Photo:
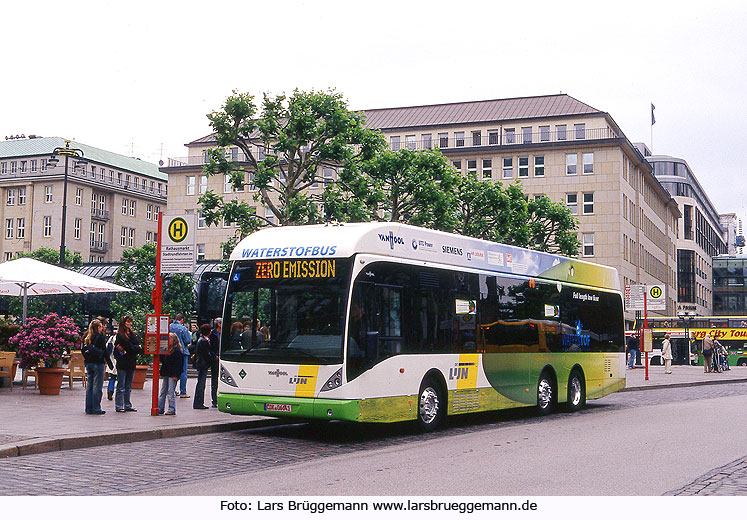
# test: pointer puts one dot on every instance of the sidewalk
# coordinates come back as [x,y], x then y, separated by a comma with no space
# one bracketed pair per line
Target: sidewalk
[32,423]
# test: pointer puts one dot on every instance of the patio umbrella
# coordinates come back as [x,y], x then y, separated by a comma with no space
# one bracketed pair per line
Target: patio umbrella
[28,277]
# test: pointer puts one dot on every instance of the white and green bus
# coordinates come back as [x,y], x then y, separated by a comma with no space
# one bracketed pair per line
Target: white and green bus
[381,322]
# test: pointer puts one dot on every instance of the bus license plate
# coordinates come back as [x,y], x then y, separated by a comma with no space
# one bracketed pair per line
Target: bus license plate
[274,407]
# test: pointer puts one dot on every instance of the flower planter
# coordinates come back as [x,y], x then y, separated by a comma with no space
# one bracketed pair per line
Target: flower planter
[138,381]
[50,380]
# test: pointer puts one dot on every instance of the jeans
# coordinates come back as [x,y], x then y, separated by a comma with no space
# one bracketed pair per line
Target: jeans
[183,379]
[631,361]
[112,380]
[168,389]
[200,388]
[95,376]
[124,388]
[214,381]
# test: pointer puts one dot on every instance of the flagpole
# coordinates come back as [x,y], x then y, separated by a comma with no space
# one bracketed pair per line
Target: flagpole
[653,121]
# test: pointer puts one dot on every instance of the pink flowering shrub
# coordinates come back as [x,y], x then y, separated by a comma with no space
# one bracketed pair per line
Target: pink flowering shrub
[42,342]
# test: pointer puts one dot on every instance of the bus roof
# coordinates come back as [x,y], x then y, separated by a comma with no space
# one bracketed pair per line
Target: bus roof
[414,243]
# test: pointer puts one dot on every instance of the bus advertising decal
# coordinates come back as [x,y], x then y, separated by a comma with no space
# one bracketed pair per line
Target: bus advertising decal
[579,341]
[475,254]
[495,258]
[391,239]
[422,245]
[283,252]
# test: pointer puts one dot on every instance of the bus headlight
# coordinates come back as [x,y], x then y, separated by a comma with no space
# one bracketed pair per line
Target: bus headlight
[226,377]
[333,382]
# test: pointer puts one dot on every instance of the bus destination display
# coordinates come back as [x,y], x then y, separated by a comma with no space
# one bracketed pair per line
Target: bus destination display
[292,269]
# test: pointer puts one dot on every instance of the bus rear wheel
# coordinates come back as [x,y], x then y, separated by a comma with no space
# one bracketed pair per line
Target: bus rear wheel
[545,394]
[576,392]
[431,405]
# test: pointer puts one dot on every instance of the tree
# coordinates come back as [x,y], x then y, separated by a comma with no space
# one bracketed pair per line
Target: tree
[138,272]
[503,214]
[286,143]
[39,306]
[408,186]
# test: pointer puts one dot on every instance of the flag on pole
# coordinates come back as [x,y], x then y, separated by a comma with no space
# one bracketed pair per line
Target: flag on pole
[653,119]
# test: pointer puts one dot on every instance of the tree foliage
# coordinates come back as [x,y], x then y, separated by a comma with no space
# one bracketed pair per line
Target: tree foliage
[138,272]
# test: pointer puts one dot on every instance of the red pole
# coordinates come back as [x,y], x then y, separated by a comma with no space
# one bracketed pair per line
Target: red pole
[157,305]
[645,321]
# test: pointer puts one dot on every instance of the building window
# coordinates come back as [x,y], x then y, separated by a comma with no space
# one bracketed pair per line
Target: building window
[143,184]
[443,140]
[487,168]
[588,159]
[47,194]
[92,240]
[200,251]
[190,184]
[148,236]
[571,202]
[426,139]
[544,133]
[410,142]
[458,138]
[13,166]
[123,237]
[588,244]
[94,199]
[33,165]
[93,171]
[4,168]
[457,165]
[10,200]
[560,131]
[47,226]
[394,142]
[476,138]
[269,215]
[127,181]
[119,177]
[580,130]
[78,196]
[132,208]
[8,256]
[102,203]
[132,237]
[101,234]
[76,229]
[510,135]
[523,166]
[43,165]
[526,134]
[203,184]
[9,228]
[201,222]
[329,175]
[539,166]
[23,166]
[149,212]
[492,136]
[508,167]
[571,160]
[21,231]
[124,207]
[588,203]
[156,211]
[159,187]
[227,184]
[152,186]
[472,167]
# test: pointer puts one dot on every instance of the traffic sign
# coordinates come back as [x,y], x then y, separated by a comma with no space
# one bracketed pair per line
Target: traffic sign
[634,295]
[656,299]
[178,244]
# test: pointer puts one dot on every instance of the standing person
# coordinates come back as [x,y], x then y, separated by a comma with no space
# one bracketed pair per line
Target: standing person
[172,365]
[666,353]
[94,354]
[633,346]
[203,360]
[185,340]
[126,349]
[195,330]
[708,352]
[111,366]
[214,365]
[237,328]
[717,349]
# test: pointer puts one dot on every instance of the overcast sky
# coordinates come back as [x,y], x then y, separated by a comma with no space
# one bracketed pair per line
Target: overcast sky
[138,77]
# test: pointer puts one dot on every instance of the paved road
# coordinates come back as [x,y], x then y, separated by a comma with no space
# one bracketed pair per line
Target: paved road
[631,443]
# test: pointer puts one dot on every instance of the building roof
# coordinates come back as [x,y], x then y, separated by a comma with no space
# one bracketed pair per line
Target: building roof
[494,110]
[45,145]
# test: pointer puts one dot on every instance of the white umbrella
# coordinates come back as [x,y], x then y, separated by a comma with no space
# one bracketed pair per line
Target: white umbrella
[28,277]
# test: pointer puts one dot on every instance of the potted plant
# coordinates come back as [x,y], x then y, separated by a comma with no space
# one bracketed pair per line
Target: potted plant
[142,364]
[41,343]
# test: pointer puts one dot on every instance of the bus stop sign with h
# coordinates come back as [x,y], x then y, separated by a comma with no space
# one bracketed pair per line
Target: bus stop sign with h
[643,297]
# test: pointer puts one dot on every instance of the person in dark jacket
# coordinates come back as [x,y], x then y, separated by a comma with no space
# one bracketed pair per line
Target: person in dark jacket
[126,349]
[94,355]
[172,365]
[203,361]
[214,365]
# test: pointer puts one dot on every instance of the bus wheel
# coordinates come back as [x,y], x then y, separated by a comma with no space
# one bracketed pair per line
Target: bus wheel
[430,405]
[576,392]
[742,362]
[545,394]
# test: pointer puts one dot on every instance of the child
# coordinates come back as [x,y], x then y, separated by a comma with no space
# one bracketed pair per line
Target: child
[172,365]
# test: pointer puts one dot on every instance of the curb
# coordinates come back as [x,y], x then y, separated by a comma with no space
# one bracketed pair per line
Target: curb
[71,442]
[684,385]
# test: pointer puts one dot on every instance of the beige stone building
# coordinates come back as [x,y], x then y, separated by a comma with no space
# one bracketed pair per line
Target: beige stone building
[112,201]
[554,145]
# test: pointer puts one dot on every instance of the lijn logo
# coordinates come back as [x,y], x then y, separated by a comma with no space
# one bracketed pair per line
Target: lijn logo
[178,230]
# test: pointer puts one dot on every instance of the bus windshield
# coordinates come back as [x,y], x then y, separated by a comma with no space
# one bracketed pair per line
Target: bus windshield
[286,311]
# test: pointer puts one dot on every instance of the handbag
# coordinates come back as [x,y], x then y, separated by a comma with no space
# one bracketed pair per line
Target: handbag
[708,352]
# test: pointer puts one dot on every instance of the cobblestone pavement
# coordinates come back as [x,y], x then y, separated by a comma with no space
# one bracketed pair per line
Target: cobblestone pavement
[129,468]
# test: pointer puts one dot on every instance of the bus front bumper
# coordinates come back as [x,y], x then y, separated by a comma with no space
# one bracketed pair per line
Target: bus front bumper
[291,407]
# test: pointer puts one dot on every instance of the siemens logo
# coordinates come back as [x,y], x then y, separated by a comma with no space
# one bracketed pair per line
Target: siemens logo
[450,250]
[392,239]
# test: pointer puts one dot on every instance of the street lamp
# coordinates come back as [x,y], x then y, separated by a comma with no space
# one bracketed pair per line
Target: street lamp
[76,154]
[687,318]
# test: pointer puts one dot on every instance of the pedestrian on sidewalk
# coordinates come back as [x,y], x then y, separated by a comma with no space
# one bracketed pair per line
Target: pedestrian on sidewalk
[126,349]
[111,366]
[172,365]
[708,353]
[203,360]
[666,353]
[94,355]
[185,340]
[633,346]
[214,350]
[717,355]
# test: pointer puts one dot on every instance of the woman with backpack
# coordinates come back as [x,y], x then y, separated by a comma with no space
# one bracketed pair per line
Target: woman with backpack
[126,349]
[172,365]
[94,355]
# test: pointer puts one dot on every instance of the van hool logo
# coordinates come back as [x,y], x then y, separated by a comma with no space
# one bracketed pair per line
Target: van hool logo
[451,250]
[577,339]
[392,239]
[460,371]
[277,372]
